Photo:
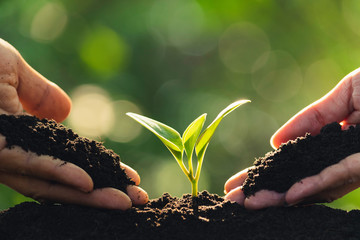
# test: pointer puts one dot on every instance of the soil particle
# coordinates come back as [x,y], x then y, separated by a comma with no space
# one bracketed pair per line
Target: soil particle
[46,137]
[207,216]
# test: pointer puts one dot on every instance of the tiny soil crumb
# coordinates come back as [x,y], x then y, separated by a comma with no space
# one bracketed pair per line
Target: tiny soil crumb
[207,216]
[46,137]
[306,156]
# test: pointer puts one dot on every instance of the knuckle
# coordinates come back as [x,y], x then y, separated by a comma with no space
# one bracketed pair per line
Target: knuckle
[9,100]
[351,168]
[318,117]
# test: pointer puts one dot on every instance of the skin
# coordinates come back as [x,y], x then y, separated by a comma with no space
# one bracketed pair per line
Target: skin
[342,104]
[44,178]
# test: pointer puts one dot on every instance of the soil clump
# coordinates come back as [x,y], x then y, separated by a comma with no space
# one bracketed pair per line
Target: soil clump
[306,156]
[46,137]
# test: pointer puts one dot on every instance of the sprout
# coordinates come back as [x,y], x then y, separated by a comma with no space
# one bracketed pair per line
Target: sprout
[190,139]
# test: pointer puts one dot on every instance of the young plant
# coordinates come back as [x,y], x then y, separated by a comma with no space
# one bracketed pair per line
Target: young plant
[190,139]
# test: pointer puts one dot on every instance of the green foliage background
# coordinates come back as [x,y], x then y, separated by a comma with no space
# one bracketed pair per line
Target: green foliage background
[177,59]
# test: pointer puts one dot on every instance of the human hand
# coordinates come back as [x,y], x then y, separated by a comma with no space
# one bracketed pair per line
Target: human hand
[43,177]
[342,104]
[22,88]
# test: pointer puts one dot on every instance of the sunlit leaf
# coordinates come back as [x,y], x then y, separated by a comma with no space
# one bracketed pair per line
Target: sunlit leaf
[169,136]
[205,137]
[192,133]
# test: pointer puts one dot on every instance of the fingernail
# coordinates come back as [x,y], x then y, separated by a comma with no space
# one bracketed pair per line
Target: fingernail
[235,195]
[137,195]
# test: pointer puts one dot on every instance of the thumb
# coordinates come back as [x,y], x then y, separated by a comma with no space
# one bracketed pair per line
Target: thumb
[39,96]
[335,106]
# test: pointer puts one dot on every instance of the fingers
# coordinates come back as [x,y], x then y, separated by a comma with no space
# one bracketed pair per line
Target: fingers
[131,173]
[21,83]
[39,96]
[328,195]
[233,189]
[27,165]
[16,160]
[9,100]
[331,183]
[335,106]
[236,195]
[261,199]
[235,181]
[354,117]
[108,198]
[69,178]
[264,199]
[137,195]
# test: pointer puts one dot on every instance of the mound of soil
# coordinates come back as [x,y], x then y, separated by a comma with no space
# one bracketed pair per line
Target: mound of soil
[205,217]
[46,137]
[306,156]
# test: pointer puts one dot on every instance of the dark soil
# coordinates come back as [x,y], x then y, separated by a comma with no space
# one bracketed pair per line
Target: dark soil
[46,137]
[206,217]
[306,156]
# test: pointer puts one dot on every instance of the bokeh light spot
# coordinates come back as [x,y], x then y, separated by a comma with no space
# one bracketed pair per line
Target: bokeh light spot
[247,125]
[92,112]
[350,10]
[125,129]
[49,22]
[159,15]
[279,77]
[104,51]
[241,45]
[184,26]
[320,78]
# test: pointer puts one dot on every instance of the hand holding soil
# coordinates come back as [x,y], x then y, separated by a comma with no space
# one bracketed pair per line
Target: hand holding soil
[342,104]
[45,177]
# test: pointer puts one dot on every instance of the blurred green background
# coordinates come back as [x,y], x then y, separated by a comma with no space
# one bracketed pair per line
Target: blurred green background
[173,60]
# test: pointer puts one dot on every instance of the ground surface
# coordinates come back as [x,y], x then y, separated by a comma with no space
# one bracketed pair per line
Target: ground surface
[207,217]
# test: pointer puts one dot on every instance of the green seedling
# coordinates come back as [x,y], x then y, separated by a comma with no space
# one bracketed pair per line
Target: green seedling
[190,139]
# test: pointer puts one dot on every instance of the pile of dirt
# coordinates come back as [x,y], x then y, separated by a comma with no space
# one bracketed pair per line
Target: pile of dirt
[46,137]
[306,156]
[205,217]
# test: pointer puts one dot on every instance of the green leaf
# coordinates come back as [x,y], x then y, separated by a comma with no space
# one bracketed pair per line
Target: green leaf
[192,133]
[169,136]
[205,137]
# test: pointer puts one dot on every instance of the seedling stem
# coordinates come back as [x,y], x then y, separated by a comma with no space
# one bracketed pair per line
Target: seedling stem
[191,140]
